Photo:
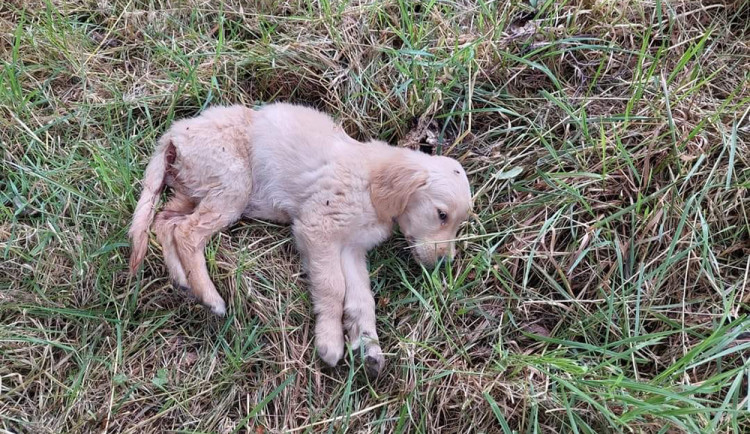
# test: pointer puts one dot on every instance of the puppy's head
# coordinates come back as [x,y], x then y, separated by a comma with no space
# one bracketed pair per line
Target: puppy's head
[429,197]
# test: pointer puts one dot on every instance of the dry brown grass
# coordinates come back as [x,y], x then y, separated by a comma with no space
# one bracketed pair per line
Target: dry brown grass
[602,286]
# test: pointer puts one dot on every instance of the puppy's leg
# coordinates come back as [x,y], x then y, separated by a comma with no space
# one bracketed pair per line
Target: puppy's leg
[359,310]
[191,234]
[327,286]
[164,223]
[328,290]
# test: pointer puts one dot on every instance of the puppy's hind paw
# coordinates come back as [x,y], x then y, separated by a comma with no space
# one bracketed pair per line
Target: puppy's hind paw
[216,305]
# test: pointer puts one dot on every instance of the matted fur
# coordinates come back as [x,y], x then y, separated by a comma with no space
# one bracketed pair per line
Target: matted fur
[292,164]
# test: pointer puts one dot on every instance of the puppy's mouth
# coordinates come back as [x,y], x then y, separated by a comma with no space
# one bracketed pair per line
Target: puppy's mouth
[413,248]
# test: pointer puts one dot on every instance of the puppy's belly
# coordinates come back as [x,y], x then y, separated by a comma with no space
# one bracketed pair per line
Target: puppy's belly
[265,211]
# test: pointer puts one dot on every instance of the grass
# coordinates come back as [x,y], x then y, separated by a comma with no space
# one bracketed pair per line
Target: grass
[602,285]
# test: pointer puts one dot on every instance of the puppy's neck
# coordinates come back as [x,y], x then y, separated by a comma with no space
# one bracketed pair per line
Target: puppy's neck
[381,154]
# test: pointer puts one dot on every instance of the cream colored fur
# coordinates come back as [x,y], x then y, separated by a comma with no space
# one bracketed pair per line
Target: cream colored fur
[292,164]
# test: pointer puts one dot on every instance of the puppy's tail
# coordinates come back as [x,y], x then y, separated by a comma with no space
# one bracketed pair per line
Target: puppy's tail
[153,183]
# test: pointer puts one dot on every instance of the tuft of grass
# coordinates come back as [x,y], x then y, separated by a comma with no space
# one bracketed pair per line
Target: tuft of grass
[602,284]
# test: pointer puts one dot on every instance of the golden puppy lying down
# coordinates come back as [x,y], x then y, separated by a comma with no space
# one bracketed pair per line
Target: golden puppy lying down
[292,164]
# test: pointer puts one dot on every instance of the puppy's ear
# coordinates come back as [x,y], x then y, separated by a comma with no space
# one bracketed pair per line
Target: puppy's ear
[391,187]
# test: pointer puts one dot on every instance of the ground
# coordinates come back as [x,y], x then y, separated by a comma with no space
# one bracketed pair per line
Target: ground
[602,284]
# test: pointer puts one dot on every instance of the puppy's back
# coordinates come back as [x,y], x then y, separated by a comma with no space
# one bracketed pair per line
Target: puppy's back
[298,137]
[297,120]
[297,152]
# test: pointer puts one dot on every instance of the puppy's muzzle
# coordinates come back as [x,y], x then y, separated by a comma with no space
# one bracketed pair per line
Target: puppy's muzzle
[430,253]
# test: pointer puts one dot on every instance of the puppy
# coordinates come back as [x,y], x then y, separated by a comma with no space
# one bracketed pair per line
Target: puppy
[292,164]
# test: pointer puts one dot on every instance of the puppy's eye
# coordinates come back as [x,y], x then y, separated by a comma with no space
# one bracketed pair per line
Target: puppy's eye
[442,215]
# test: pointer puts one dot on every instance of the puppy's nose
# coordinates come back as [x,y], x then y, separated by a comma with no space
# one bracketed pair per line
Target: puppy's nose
[445,253]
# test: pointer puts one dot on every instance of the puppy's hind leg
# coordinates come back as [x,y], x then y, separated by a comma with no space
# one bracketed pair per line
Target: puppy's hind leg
[191,234]
[164,224]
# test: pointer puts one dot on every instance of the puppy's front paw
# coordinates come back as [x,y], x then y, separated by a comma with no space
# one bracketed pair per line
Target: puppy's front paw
[374,361]
[183,288]
[330,351]
[329,339]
